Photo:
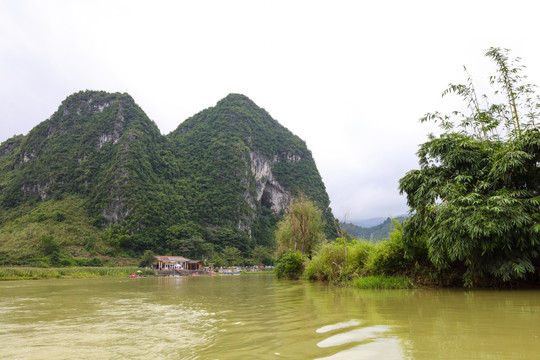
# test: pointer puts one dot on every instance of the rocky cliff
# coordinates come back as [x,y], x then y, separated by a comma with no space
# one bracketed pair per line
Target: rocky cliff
[224,176]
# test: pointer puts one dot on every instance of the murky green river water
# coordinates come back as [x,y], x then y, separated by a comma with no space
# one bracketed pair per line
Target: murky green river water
[258,317]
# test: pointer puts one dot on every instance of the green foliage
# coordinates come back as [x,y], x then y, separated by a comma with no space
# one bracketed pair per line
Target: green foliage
[476,196]
[339,261]
[23,227]
[117,236]
[389,256]
[493,121]
[262,255]
[89,243]
[55,258]
[103,177]
[383,282]
[147,259]
[232,256]
[373,233]
[89,262]
[59,216]
[343,261]
[48,245]
[214,149]
[265,226]
[290,265]
[20,273]
[184,239]
[302,229]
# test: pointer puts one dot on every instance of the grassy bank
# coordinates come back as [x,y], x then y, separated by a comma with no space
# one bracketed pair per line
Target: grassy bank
[31,273]
[383,282]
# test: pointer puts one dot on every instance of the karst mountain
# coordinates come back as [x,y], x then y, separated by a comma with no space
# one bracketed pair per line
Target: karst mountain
[98,176]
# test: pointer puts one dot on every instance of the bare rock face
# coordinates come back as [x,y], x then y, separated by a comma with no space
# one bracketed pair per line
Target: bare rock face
[116,211]
[269,191]
[225,174]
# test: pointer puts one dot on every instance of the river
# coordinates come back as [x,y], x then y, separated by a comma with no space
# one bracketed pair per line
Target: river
[259,317]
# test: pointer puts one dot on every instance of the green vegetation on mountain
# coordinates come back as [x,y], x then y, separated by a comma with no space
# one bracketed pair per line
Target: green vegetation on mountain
[98,175]
[373,233]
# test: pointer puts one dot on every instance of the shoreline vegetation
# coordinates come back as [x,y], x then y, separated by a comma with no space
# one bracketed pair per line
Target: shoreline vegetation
[474,201]
[360,264]
[35,273]
[474,214]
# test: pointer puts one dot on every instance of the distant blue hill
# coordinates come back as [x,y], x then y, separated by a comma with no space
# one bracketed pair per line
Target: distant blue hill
[366,223]
[377,232]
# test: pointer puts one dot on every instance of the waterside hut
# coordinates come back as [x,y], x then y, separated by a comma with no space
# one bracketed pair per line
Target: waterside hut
[176,263]
[195,265]
[170,263]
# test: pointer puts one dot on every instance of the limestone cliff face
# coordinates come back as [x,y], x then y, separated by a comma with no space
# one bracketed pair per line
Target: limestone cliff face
[250,159]
[88,146]
[224,175]
[269,191]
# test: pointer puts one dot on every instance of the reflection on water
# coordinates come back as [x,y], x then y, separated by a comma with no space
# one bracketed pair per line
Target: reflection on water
[258,317]
[337,326]
[376,345]
[385,348]
[358,335]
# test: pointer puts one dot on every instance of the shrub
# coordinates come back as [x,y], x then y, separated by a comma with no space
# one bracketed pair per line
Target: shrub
[59,216]
[383,282]
[147,259]
[89,243]
[389,256]
[55,258]
[290,265]
[93,262]
[339,261]
[358,255]
[326,264]
[48,245]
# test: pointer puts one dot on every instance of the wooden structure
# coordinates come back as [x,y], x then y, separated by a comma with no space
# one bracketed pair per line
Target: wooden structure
[176,263]
[170,263]
[195,265]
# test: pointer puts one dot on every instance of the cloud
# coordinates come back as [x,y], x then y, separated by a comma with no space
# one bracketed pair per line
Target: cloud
[351,78]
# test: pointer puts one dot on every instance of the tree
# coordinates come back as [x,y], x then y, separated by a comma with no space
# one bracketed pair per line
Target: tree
[232,256]
[261,255]
[147,259]
[49,245]
[475,199]
[290,265]
[302,228]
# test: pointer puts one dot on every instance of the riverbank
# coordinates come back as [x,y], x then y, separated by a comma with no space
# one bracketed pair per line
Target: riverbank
[257,272]
[383,282]
[34,273]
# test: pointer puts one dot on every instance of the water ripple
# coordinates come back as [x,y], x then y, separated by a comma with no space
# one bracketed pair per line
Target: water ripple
[337,326]
[385,348]
[357,335]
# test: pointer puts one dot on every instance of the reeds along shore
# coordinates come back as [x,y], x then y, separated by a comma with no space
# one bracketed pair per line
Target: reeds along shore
[27,273]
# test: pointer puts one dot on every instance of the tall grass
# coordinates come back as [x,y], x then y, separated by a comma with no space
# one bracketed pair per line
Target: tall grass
[28,273]
[383,282]
[339,261]
[363,263]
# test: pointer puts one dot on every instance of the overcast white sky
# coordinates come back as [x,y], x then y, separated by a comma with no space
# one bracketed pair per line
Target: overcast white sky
[351,78]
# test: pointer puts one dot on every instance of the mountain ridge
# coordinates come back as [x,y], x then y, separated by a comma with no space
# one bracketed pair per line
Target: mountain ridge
[224,175]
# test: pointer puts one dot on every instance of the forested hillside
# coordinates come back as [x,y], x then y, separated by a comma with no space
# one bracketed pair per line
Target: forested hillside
[377,232]
[98,177]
